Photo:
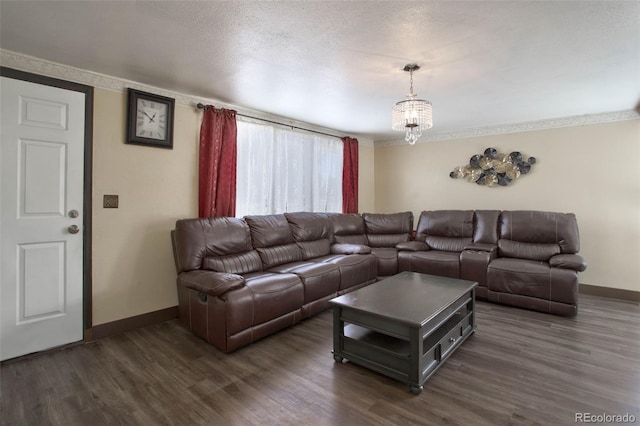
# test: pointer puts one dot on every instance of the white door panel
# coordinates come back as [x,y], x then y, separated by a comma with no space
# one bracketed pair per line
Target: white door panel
[40,281]
[42,113]
[41,169]
[41,162]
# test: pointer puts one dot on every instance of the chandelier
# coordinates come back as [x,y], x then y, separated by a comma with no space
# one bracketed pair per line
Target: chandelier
[412,115]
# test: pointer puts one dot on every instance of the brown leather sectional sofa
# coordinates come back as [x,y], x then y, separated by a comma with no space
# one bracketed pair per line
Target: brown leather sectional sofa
[242,279]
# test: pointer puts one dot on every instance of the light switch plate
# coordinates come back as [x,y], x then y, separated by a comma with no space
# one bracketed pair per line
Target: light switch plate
[110,202]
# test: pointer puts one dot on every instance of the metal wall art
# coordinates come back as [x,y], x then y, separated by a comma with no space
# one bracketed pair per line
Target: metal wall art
[493,168]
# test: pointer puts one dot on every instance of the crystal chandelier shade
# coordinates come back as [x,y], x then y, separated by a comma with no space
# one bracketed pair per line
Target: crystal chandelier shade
[412,115]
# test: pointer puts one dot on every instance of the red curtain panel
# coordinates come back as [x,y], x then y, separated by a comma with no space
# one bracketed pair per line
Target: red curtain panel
[350,175]
[217,163]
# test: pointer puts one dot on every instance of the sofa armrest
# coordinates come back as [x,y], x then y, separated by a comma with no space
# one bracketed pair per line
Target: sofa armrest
[568,261]
[412,246]
[350,249]
[209,282]
[489,248]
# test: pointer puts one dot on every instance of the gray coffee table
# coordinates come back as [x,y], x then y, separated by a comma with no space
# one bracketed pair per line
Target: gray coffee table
[405,326]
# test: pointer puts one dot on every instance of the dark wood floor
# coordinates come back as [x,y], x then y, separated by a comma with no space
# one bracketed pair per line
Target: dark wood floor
[520,367]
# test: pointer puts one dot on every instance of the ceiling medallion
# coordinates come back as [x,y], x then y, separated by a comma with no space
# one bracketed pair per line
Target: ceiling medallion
[412,115]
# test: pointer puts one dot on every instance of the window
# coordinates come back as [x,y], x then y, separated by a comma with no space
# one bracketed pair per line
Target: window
[281,170]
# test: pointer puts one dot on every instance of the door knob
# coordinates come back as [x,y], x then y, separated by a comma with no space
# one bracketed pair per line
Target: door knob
[73,229]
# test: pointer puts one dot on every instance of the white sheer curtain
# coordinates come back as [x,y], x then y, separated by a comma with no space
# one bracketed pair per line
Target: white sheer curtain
[281,170]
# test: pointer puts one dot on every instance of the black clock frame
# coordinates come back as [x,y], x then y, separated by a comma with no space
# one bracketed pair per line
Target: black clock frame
[133,96]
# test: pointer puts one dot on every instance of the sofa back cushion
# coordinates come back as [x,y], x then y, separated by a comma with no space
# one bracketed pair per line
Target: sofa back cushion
[241,263]
[486,226]
[446,243]
[221,244]
[387,230]
[446,230]
[279,255]
[311,232]
[272,238]
[360,240]
[269,230]
[348,228]
[307,226]
[530,251]
[537,235]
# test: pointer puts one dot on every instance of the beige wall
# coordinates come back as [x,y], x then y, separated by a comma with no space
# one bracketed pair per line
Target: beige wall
[592,171]
[133,268]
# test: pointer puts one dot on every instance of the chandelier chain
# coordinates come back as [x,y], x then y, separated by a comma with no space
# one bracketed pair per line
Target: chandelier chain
[411,82]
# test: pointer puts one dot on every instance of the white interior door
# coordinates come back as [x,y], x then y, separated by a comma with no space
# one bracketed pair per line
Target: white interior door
[41,194]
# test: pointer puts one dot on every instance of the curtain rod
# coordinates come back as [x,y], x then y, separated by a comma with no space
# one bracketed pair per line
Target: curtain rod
[203,106]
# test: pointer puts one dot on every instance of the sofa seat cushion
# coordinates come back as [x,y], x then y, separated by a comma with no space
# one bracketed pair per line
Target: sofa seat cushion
[387,260]
[264,297]
[355,269]
[442,263]
[532,278]
[319,279]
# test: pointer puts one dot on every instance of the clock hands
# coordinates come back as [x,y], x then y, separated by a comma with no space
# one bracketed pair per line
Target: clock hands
[151,119]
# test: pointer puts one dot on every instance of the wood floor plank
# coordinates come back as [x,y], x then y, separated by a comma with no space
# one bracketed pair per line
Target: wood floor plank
[519,368]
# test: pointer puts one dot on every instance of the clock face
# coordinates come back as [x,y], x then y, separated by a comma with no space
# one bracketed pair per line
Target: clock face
[151,119]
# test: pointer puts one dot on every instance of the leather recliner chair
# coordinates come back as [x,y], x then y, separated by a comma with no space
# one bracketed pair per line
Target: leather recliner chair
[537,265]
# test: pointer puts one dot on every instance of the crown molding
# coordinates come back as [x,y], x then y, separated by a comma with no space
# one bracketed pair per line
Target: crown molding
[35,65]
[552,123]
[60,71]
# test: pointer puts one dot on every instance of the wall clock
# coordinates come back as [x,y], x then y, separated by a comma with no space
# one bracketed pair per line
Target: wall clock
[150,119]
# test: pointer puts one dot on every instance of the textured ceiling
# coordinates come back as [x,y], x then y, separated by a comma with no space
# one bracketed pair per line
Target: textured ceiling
[339,64]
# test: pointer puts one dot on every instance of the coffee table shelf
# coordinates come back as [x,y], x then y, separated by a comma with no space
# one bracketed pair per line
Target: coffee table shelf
[410,335]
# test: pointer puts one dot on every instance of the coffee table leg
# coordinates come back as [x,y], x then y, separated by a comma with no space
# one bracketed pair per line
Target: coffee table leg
[416,390]
[338,334]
